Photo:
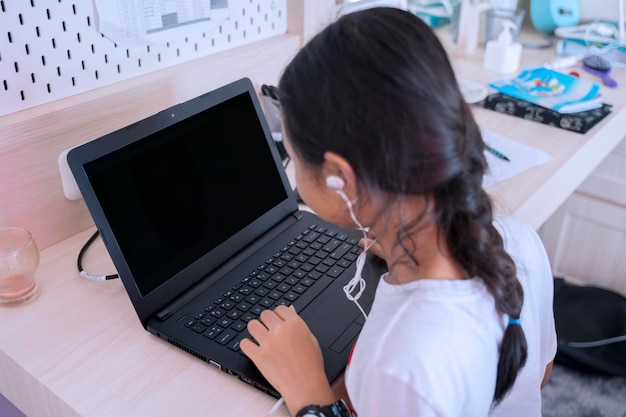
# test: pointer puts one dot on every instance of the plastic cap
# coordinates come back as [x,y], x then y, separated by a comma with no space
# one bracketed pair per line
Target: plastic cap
[506,36]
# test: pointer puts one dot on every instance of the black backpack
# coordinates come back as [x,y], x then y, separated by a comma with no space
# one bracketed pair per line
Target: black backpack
[590,327]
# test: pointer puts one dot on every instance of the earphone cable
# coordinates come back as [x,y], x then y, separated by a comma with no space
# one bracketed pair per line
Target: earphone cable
[79,262]
[357,280]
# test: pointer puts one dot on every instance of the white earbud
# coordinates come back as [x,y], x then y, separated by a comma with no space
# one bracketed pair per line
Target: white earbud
[334,183]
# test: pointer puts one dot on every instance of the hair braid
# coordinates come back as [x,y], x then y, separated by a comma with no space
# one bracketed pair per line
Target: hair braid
[465,212]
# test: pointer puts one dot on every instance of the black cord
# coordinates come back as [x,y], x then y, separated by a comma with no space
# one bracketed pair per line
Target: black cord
[79,262]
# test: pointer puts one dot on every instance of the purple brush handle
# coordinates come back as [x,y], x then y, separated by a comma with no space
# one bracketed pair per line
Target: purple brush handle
[606,79]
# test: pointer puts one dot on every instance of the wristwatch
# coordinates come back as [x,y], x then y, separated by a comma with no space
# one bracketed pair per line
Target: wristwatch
[336,409]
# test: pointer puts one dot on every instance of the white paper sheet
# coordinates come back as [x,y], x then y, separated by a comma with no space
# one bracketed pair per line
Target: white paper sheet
[521,157]
[157,21]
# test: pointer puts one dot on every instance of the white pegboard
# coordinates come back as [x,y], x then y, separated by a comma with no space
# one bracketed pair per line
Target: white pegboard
[51,49]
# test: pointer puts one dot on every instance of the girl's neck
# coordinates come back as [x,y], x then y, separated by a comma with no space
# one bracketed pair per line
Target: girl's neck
[429,248]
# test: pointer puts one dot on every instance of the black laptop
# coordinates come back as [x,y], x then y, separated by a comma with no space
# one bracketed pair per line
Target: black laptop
[201,222]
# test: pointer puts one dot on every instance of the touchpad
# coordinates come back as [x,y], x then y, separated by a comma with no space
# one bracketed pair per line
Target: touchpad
[343,314]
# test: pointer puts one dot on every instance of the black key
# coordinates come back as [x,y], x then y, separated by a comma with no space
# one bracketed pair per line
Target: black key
[236,298]
[235,314]
[341,251]
[329,261]
[314,275]
[291,281]
[224,322]
[299,289]
[261,292]
[255,282]
[212,332]
[299,274]
[238,326]
[253,299]
[227,305]
[275,295]
[266,302]
[234,343]
[290,296]
[270,284]
[282,302]
[332,245]
[248,316]
[208,321]
[198,328]
[335,271]
[226,336]
[244,306]
[307,281]
[258,310]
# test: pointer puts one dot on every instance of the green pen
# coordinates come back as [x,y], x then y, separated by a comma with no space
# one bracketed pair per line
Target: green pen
[498,154]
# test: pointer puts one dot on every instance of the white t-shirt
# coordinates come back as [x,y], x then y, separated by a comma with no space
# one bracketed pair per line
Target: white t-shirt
[430,347]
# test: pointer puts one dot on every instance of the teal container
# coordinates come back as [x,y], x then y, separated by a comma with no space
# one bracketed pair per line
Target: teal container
[547,15]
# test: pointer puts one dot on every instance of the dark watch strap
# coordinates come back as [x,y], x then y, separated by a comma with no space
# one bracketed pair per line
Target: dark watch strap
[336,409]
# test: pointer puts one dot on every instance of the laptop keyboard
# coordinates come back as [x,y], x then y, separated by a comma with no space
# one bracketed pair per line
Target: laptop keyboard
[296,274]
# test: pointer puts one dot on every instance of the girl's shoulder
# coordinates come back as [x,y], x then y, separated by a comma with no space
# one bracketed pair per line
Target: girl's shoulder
[515,231]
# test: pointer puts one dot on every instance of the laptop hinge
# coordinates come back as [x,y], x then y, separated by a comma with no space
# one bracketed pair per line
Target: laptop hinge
[163,314]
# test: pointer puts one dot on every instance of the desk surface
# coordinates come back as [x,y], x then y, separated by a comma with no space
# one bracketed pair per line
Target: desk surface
[79,349]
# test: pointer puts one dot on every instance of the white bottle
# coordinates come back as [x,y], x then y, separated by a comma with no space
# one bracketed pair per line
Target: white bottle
[469,23]
[503,55]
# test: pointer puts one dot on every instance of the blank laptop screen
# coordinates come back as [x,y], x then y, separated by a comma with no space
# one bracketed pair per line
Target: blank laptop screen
[176,194]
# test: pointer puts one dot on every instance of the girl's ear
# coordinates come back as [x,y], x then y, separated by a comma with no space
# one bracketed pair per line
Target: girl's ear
[338,166]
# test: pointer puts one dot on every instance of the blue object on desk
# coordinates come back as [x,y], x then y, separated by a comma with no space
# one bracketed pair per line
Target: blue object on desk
[548,15]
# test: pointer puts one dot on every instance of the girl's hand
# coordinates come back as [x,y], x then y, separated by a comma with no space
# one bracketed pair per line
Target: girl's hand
[289,357]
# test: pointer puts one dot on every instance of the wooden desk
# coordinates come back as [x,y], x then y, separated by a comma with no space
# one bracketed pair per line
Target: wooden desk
[79,349]
[537,193]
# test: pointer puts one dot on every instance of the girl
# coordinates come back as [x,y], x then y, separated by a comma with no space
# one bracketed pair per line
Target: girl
[381,138]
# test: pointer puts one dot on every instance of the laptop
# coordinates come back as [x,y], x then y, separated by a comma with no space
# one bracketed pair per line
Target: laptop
[197,213]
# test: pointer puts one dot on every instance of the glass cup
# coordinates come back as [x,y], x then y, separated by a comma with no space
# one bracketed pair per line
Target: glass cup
[495,22]
[19,259]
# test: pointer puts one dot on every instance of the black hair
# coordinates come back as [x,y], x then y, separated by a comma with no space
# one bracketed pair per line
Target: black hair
[377,88]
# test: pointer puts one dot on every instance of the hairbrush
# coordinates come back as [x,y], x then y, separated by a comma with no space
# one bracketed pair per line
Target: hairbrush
[600,66]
